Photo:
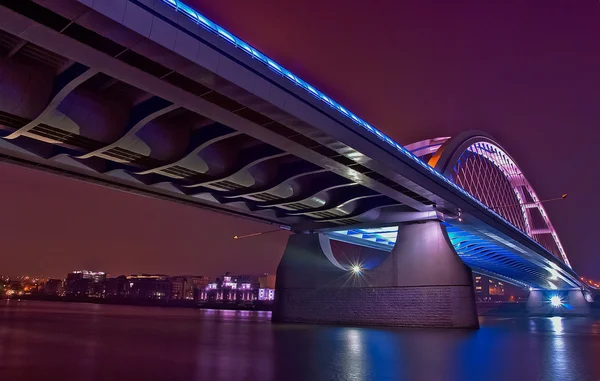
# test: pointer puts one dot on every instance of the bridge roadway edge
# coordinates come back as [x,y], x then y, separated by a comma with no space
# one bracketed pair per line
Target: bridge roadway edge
[422,283]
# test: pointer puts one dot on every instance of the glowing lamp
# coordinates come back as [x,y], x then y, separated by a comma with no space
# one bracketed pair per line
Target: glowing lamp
[356,269]
[555,301]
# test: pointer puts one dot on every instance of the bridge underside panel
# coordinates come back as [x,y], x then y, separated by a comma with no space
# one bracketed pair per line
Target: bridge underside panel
[484,256]
[98,101]
[421,283]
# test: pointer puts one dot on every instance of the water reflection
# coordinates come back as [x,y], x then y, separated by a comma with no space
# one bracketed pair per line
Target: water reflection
[354,354]
[83,342]
[557,324]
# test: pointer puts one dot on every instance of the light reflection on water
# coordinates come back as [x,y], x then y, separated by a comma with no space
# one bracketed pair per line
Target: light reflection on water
[41,340]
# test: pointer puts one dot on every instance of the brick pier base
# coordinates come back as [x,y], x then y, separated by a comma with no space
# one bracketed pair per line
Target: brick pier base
[422,283]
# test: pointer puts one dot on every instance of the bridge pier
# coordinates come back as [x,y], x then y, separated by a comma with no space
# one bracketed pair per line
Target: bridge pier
[558,303]
[421,283]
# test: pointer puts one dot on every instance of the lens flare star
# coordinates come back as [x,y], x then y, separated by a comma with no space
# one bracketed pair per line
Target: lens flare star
[555,301]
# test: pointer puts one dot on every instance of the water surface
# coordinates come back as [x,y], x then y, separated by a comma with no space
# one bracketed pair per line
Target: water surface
[64,341]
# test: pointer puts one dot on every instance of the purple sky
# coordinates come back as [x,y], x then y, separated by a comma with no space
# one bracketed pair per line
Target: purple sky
[526,72]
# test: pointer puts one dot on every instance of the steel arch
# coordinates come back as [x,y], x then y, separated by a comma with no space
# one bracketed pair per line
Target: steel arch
[478,164]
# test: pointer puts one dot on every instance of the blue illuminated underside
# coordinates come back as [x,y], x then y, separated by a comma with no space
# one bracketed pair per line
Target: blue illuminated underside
[383,237]
[207,24]
[480,254]
[486,257]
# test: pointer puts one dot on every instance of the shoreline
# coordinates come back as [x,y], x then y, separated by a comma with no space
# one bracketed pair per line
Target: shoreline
[148,303]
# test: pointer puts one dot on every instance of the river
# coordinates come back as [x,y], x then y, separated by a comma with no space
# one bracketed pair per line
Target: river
[68,341]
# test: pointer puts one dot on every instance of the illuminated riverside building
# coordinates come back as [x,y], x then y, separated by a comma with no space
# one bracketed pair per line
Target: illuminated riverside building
[489,289]
[238,289]
[184,287]
[178,288]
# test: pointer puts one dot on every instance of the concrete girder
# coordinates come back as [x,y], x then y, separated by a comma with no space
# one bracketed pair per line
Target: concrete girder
[338,198]
[140,116]
[367,209]
[287,173]
[64,84]
[200,139]
[246,159]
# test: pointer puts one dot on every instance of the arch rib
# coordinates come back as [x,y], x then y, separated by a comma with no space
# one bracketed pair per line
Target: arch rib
[447,160]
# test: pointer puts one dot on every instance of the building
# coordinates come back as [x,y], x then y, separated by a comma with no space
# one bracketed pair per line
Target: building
[496,288]
[223,290]
[53,287]
[178,287]
[241,289]
[479,286]
[85,283]
[488,289]
[267,281]
[77,287]
[117,287]
[266,294]
[149,286]
[194,283]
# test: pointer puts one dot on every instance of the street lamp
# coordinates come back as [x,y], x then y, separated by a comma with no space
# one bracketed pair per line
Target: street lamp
[260,233]
[562,197]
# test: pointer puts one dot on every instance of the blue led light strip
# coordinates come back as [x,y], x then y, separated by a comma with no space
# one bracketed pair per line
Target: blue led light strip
[204,22]
[207,24]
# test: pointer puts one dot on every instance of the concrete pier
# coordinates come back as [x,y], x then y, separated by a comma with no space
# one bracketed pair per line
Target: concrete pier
[558,303]
[421,283]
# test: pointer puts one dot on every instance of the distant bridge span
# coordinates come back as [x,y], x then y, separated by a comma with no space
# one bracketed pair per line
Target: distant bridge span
[152,97]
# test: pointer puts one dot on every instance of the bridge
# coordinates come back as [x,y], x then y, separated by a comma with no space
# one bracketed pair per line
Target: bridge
[152,97]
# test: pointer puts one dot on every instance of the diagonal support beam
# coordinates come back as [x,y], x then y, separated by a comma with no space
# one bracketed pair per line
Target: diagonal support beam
[140,115]
[365,207]
[200,139]
[312,186]
[248,158]
[64,84]
[339,197]
[285,174]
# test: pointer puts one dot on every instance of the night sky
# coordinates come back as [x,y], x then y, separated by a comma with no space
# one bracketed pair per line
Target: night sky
[527,72]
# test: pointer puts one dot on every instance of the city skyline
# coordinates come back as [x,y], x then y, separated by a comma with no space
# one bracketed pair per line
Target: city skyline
[112,274]
[432,101]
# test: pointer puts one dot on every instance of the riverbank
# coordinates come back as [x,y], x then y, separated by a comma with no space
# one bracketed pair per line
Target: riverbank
[518,309]
[513,309]
[257,306]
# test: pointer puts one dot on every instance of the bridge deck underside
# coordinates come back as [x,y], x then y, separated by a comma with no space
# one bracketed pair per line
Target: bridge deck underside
[75,116]
[487,257]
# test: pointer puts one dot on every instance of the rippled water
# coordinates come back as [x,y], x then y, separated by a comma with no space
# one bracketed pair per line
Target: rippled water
[61,341]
